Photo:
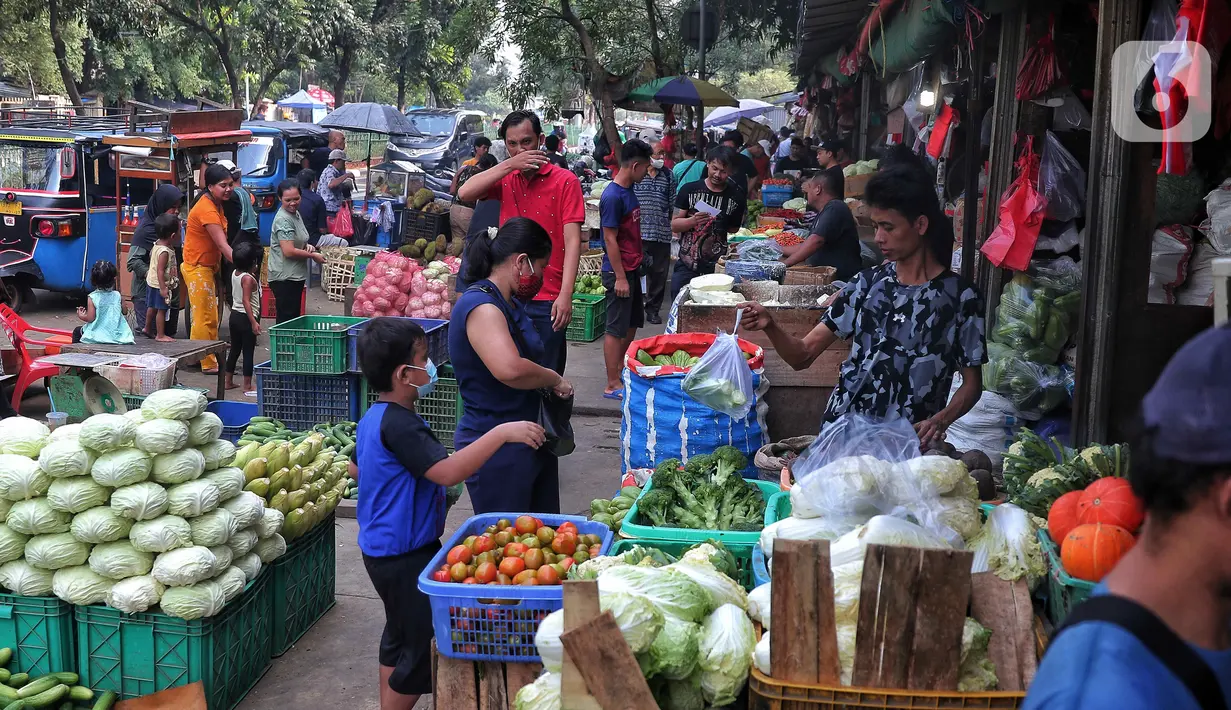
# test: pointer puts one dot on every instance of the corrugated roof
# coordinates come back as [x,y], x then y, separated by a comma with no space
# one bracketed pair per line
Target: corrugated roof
[9,91]
[824,26]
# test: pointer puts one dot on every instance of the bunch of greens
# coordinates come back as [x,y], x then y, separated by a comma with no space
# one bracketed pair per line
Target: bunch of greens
[707,494]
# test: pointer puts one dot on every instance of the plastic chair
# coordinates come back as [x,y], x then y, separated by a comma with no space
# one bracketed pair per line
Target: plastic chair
[18,330]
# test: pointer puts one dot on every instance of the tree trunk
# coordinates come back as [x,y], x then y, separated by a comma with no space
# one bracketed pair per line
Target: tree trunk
[656,50]
[402,85]
[61,52]
[237,98]
[344,68]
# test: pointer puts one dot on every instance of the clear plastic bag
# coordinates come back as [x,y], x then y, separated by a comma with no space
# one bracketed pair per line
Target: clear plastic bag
[722,380]
[1034,388]
[840,473]
[1062,181]
[1035,317]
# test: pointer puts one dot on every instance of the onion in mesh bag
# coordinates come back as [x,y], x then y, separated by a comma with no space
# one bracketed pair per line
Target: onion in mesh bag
[218,452]
[56,551]
[65,458]
[68,432]
[178,466]
[21,577]
[241,543]
[184,566]
[195,601]
[233,581]
[135,594]
[140,501]
[21,478]
[223,557]
[13,544]
[249,563]
[100,525]
[73,495]
[166,532]
[107,432]
[174,404]
[270,548]
[122,467]
[81,586]
[247,507]
[23,436]
[37,517]
[270,524]
[230,481]
[119,560]
[213,528]
[161,436]
[192,498]
[204,428]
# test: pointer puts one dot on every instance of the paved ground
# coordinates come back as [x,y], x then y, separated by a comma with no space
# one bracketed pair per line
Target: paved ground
[334,664]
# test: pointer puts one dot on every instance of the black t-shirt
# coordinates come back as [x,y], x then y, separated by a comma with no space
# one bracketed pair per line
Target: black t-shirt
[557,160]
[788,163]
[318,159]
[731,203]
[836,225]
[741,171]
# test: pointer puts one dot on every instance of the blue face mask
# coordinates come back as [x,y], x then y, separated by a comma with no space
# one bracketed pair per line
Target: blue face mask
[425,390]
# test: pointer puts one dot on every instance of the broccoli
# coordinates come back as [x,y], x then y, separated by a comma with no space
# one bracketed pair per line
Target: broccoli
[709,499]
[700,466]
[728,461]
[668,465]
[686,519]
[656,505]
[677,482]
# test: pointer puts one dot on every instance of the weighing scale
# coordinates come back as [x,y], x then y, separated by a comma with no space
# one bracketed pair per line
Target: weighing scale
[79,391]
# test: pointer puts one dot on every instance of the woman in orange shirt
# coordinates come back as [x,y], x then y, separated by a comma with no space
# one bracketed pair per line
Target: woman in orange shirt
[205,244]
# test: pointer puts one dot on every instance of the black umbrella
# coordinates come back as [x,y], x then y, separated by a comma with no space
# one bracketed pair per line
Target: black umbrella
[373,117]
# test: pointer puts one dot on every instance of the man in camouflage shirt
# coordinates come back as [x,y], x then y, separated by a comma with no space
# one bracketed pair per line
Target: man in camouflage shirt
[911,322]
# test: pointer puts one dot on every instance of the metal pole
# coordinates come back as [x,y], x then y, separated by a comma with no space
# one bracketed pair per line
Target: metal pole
[700,44]
[974,162]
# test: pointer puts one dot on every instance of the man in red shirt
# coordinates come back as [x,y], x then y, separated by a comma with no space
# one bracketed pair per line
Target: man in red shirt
[528,185]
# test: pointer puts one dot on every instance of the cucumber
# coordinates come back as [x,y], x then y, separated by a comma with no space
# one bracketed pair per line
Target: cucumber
[48,697]
[80,693]
[347,450]
[19,679]
[66,705]
[66,677]
[7,694]
[35,687]
[6,655]
[16,705]
[261,420]
[5,674]
[106,701]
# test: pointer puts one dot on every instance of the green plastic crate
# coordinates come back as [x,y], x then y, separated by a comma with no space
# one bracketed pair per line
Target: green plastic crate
[1064,591]
[311,344]
[632,527]
[589,318]
[743,555]
[304,582]
[40,632]
[134,401]
[139,654]
[441,409]
[777,507]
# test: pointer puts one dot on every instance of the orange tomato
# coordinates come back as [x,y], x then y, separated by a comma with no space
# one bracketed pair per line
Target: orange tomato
[461,553]
[567,562]
[470,580]
[522,576]
[547,575]
[567,527]
[511,566]
[515,549]
[486,572]
[564,543]
[525,524]
[483,544]
[533,558]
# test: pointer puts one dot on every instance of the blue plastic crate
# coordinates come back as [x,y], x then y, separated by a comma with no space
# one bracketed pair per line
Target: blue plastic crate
[760,571]
[437,341]
[775,195]
[492,622]
[303,401]
[234,415]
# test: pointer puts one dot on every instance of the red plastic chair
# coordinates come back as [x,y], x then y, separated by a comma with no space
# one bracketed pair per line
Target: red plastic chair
[18,330]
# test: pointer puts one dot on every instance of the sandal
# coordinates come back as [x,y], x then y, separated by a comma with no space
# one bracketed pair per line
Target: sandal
[617,395]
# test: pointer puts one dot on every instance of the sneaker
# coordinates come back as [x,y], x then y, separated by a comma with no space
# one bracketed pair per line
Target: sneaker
[653,318]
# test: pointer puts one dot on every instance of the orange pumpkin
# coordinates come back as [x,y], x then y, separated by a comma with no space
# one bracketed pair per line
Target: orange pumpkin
[1062,517]
[1110,501]
[1090,551]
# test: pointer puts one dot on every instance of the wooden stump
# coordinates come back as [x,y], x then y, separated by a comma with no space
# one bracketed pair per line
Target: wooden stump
[478,685]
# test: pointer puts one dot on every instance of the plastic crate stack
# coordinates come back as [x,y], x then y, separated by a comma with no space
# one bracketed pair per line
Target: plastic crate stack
[306,380]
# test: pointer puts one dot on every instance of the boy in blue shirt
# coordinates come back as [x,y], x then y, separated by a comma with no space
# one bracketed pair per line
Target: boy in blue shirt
[1157,632]
[403,472]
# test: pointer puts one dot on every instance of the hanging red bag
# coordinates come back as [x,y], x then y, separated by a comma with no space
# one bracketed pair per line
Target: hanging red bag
[1011,244]
[342,224]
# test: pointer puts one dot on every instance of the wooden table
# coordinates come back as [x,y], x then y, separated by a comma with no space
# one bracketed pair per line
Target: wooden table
[187,352]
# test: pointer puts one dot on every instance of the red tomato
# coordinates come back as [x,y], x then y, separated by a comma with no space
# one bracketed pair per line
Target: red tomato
[469,542]
[538,522]
[441,575]
[459,571]
[523,576]
[486,572]
[564,543]
[567,527]
[533,558]
[515,549]
[567,562]
[483,544]
[547,575]
[461,553]
[511,566]
[502,578]
[470,580]
[525,524]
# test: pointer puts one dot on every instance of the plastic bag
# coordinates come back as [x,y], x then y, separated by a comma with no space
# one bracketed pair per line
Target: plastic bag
[1021,215]
[722,380]
[838,474]
[1033,388]
[1170,249]
[343,224]
[1062,181]
[1159,27]
[1036,315]
[1009,546]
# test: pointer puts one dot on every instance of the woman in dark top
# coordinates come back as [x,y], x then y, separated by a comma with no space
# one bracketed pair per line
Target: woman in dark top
[494,349]
[166,199]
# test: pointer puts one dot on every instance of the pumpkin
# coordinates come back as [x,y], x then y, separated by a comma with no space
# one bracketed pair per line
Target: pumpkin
[1062,517]
[1110,501]
[1090,551]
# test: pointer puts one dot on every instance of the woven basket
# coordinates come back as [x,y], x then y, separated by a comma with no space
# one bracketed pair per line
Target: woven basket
[338,272]
[591,263]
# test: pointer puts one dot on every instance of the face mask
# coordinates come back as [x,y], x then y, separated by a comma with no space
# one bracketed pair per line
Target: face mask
[528,286]
[657,164]
[425,390]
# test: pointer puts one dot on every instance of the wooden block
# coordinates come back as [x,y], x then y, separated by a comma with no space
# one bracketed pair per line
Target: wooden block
[492,695]
[607,664]
[803,593]
[912,606]
[580,607]
[183,697]
[995,604]
[454,685]
[518,676]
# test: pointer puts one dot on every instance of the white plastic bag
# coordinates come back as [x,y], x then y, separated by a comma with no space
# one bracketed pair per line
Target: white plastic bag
[1062,181]
[722,380]
[839,473]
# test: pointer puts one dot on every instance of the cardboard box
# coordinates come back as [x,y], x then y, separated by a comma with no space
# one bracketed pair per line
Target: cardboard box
[855,185]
